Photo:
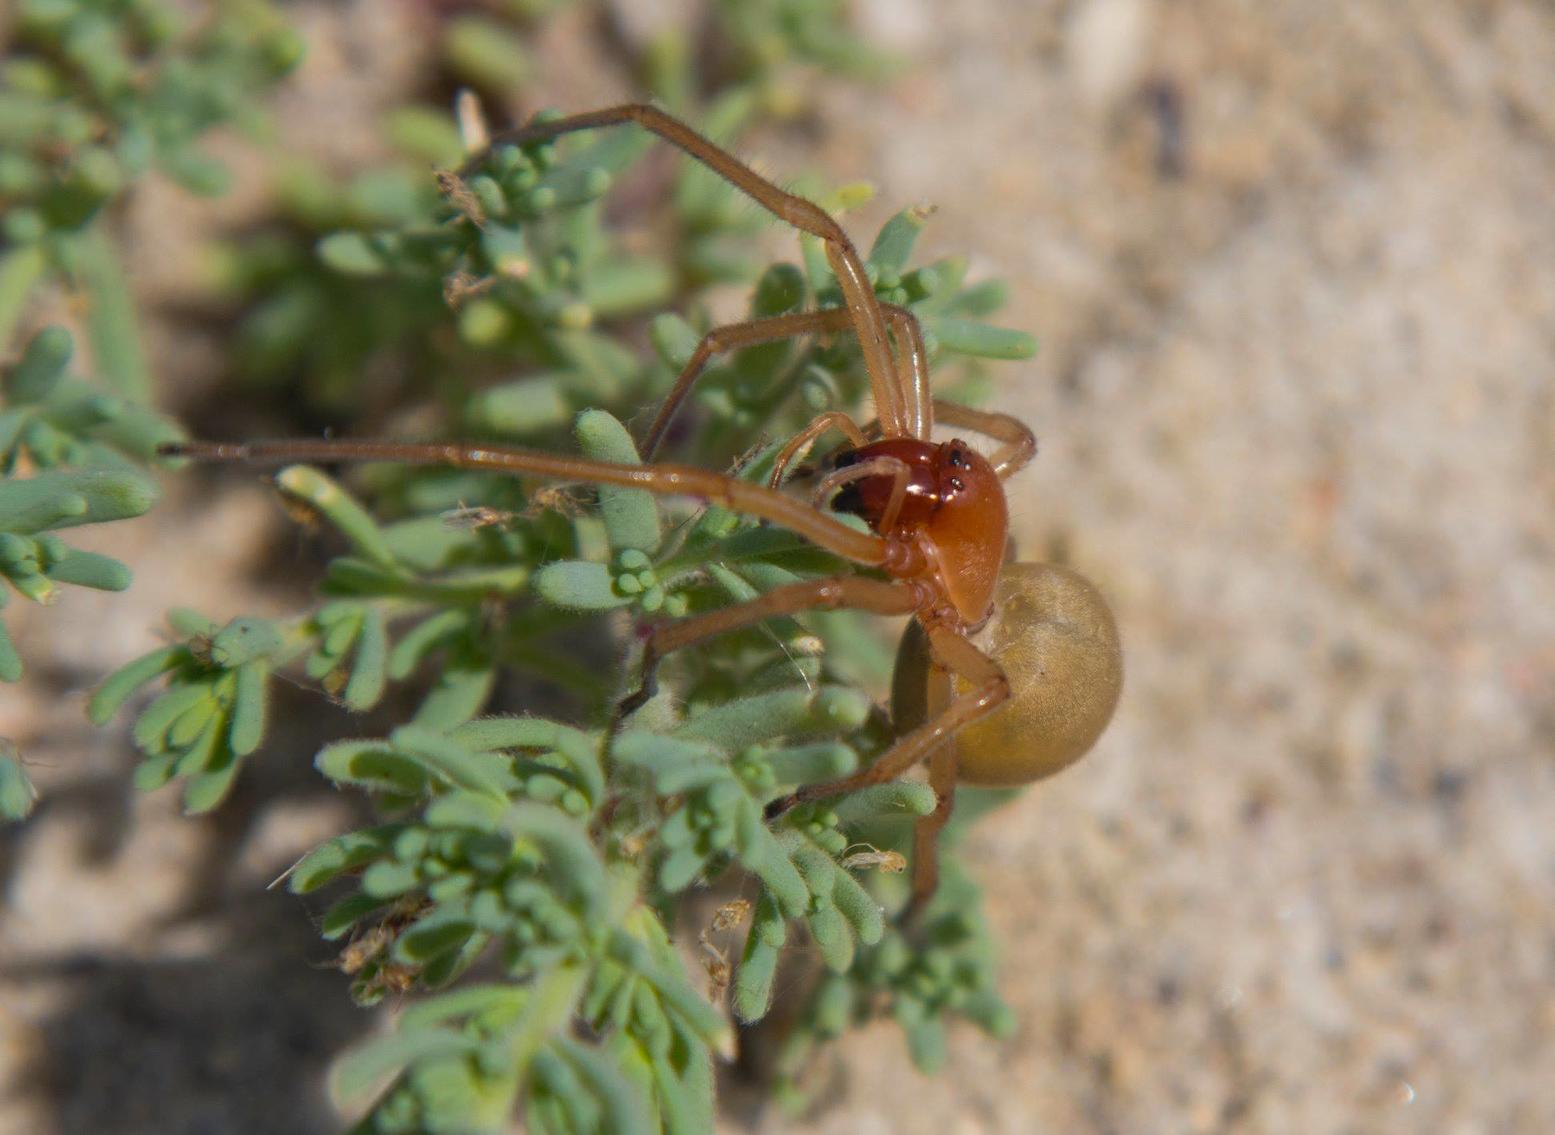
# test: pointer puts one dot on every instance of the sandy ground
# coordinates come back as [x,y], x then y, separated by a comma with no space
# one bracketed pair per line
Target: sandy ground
[1292,264]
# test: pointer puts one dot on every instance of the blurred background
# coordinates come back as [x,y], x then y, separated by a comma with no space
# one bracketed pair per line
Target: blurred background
[1291,265]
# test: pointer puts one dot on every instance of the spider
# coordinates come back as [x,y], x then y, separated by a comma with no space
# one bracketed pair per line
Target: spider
[1028,701]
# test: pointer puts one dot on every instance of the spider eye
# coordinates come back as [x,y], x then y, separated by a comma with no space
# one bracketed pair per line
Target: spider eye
[956,484]
[957,459]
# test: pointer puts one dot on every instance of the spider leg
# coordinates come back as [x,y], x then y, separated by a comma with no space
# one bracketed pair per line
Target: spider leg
[925,833]
[731,336]
[855,592]
[914,372]
[1019,444]
[957,654]
[913,355]
[866,548]
[895,401]
[898,471]
[832,419]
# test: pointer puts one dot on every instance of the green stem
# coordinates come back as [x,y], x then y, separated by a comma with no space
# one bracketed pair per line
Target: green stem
[20,270]
[112,325]
[549,1012]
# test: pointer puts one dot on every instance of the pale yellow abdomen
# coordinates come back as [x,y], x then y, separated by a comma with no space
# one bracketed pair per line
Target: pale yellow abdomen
[1056,640]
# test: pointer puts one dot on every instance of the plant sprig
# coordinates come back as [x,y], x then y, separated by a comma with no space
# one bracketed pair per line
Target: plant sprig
[525,870]
[71,454]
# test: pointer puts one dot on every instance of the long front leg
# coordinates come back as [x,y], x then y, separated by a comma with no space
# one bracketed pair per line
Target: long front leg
[913,369]
[892,402]
[897,557]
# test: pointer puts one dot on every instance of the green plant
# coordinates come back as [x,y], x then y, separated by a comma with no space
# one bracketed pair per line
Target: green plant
[95,94]
[322,327]
[529,865]
[84,449]
[547,847]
